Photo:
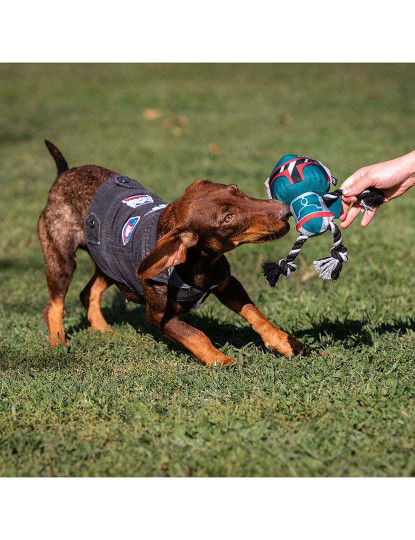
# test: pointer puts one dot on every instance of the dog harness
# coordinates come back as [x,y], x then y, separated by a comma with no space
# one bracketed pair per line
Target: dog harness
[121,230]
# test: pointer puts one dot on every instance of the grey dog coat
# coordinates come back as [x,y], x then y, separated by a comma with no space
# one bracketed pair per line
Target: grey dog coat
[121,230]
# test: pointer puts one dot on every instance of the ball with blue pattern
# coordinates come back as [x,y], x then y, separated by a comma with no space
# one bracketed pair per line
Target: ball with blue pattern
[301,183]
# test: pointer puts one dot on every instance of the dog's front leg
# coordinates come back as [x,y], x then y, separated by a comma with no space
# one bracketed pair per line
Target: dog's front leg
[165,316]
[232,294]
[189,337]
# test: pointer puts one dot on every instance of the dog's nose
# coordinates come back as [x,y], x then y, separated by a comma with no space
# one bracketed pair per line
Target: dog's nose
[285,212]
[280,210]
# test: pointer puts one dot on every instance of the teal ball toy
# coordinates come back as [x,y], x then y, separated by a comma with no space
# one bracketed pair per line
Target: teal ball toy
[304,184]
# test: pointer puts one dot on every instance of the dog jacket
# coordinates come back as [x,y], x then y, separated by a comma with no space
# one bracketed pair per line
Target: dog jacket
[121,230]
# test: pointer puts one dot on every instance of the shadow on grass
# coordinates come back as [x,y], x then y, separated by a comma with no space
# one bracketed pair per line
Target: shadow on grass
[354,332]
[220,333]
[22,265]
[350,332]
[14,136]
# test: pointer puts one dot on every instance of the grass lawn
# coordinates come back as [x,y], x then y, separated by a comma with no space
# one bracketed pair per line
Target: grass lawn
[134,404]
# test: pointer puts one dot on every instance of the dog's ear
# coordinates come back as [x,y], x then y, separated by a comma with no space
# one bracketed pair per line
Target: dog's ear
[197,183]
[170,250]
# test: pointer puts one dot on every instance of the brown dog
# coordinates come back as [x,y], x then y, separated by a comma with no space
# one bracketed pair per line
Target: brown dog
[192,234]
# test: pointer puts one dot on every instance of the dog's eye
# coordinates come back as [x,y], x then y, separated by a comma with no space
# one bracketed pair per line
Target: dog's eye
[228,218]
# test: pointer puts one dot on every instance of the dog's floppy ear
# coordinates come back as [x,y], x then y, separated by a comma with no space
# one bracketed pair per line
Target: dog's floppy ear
[170,250]
[197,183]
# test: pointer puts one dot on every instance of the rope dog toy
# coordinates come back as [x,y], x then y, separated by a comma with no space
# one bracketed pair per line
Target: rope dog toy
[304,184]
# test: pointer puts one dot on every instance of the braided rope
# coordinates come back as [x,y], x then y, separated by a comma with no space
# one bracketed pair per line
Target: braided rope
[338,251]
[288,264]
[330,267]
[368,199]
[336,194]
[273,271]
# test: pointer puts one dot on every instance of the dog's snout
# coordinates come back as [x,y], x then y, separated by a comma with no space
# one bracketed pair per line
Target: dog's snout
[285,212]
[280,210]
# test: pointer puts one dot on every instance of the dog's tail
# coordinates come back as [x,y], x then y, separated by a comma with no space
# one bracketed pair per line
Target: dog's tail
[58,157]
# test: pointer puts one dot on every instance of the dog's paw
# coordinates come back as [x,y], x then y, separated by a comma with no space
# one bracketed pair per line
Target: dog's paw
[228,361]
[56,342]
[104,329]
[297,347]
[222,360]
[289,346]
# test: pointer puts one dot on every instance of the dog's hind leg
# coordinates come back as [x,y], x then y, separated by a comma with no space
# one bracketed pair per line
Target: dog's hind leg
[60,261]
[91,300]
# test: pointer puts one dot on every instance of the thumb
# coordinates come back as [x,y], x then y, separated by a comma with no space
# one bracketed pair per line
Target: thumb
[356,183]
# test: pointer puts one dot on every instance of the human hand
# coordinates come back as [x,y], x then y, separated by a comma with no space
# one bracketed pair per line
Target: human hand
[392,177]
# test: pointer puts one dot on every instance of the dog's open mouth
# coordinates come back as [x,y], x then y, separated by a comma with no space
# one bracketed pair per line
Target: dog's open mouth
[274,236]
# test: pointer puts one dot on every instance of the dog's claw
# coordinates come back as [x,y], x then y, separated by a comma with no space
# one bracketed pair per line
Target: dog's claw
[228,362]
[104,330]
[290,348]
[224,361]
[305,350]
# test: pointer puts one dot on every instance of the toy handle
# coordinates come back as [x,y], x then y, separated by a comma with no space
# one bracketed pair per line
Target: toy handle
[370,198]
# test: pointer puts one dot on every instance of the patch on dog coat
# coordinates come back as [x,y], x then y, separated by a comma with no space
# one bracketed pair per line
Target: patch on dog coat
[128,228]
[138,200]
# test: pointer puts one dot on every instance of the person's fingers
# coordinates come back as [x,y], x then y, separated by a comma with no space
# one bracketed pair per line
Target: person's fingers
[348,200]
[353,213]
[345,208]
[356,183]
[368,216]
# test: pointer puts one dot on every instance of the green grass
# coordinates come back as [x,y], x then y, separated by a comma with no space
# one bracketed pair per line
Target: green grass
[134,404]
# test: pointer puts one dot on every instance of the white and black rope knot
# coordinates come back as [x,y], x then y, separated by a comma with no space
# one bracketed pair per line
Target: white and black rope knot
[273,271]
[330,267]
[333,195]
[368,199]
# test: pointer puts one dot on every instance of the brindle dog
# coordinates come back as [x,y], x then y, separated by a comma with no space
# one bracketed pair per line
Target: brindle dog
[193,232]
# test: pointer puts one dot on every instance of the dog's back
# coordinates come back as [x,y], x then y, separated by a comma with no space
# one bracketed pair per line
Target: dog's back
[75,186]
[69,199]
